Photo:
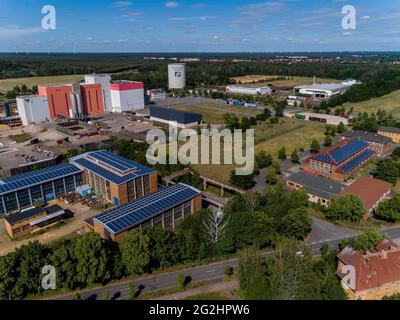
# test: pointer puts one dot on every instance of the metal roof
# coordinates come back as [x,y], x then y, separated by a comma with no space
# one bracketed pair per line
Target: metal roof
[132,214]
[33,178]
[111,166]
[367,136]
[179,116]
[318,186]
[390,129]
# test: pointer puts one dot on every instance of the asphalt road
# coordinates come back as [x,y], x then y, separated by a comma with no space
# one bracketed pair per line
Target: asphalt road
[208,273]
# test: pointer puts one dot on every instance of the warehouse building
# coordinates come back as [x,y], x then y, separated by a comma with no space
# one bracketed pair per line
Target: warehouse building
[318,117]
[377,143]
[117,179]
[30,189]
[390,132]
[173,117]
[164,208]
[340,161]
[33,220]
[33,109]
[127,96]
[249,90]
[371,192]
[320,190]
[323,90]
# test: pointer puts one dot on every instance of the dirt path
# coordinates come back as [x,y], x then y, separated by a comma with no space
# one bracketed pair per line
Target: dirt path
[216,287]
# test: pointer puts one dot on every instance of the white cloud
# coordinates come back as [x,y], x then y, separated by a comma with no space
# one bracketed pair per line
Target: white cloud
[171,4]
[122,4]
[13,32]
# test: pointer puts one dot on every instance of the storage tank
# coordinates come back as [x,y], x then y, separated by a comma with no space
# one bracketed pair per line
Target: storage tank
[177,76]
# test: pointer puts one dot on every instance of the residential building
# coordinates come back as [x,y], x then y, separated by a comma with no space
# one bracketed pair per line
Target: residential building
[320,190]
[33,109]
[340,161]
[117,179]
[390,132]
[173,117]
[37,187]
[371,192]
[127,96]
[377,143]
[33,220]
[249,90]
[370,275]
[164,208]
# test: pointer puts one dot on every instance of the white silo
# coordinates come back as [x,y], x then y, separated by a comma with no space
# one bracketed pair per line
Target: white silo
[177,75]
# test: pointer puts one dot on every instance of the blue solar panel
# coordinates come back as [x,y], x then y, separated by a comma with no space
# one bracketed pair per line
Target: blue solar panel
[114,160]
[347,150]
[132,214]
[26,180]
[357,161]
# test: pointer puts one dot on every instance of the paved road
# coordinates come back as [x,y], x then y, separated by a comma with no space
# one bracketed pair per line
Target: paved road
[211,273]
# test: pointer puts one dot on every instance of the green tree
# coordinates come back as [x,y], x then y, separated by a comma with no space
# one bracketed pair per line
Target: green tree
[163,251]
[263,159]
[346,208]
[389,210]
[387,170]
[105,295]
[341,128]
[295,156]
[328,141]
[8,276]
[282,153]
[244,182]
[296,224]
[396,152]
[136,252]
[132,291]
[181,280]
[249,266]
[76,297]
[271,177]
[367,240]
[315,146]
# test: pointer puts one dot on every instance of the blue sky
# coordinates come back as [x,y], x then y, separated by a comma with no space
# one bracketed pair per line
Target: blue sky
[199,26]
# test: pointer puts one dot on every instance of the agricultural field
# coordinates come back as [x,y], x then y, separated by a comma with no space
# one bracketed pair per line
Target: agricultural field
[276,82]
[390,103]
[8,84]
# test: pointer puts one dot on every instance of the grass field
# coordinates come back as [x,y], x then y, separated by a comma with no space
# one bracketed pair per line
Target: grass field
[271,79]
[214,113]
[213,296]
[390,103]
[290,133]
[8,84]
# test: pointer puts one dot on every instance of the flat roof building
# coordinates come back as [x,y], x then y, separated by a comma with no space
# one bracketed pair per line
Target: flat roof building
[249,90]
[164,208]
[377,143]
[173,117]
[33,220]
[320,190]
[319,117]
[37,187]
[127,96]
[116,178]
[371,192]
[340,161]
[323,90]
[33,109]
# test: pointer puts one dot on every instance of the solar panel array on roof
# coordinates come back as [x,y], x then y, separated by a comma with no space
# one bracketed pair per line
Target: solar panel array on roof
[122,164]
[130,215]
[348,150]
[113,160]
[26,180]
[324,158]
[357,161]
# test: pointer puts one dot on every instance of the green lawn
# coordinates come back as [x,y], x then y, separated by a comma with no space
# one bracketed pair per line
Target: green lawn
[212,296]
[19,138]
[390,103]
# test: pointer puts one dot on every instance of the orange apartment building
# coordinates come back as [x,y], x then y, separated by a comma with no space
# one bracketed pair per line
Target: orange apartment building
[117,179]
[390,132]
[164,208]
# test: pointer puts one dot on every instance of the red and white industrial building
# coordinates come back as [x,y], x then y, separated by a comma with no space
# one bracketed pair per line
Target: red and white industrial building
[97,96]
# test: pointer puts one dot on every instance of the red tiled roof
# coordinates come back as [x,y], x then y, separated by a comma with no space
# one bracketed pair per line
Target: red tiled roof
[369,190]
[375,268]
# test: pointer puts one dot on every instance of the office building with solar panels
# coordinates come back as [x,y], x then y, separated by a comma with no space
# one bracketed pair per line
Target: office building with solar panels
[340,161]
[164,208]
[116,178]
[34,188]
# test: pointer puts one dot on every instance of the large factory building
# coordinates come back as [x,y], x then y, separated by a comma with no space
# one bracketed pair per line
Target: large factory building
[104,80]
[33,109]
[127,96]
